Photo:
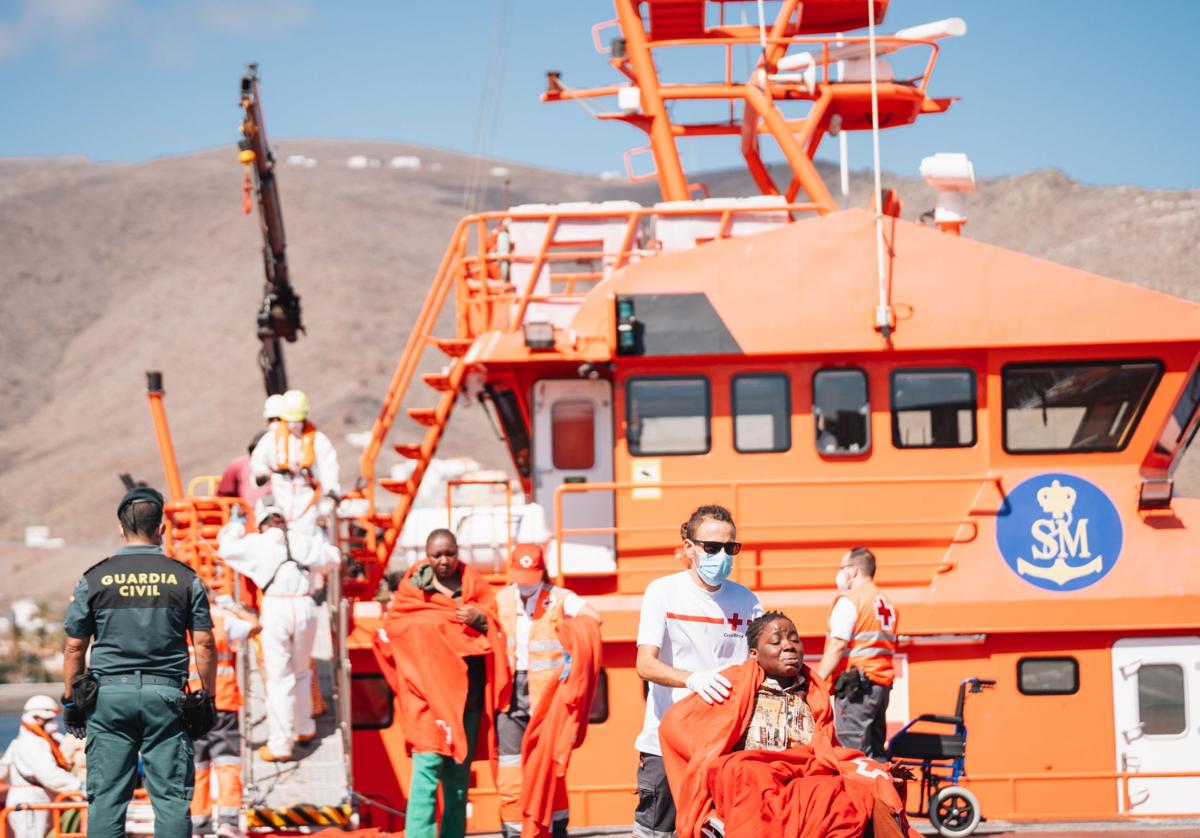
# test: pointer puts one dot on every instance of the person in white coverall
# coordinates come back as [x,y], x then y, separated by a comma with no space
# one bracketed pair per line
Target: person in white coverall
[35,767]
[299,461]
[287,565]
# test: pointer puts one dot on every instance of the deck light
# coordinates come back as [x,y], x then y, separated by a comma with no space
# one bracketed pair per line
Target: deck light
[627,327]
[539,335]
[1156,493]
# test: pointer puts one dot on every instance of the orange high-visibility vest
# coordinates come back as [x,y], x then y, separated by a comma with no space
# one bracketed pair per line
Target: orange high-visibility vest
[283,446]
[545,650]
[226,693]
[873,644]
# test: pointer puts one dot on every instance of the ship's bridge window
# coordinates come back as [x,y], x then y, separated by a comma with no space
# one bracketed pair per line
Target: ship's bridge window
[1074,407]
[1181,417]
[933,408]
[762,412]
[668,415]
[841,412]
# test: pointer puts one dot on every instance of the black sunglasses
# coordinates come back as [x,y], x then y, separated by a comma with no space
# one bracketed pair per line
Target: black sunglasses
[711,547]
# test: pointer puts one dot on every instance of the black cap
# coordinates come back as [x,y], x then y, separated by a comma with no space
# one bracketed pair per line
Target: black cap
[140,493]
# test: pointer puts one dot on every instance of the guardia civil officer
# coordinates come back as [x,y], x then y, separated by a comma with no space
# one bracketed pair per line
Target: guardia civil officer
[135,608]
[861,646]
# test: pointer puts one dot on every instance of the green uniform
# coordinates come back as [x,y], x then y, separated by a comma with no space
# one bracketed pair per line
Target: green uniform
[137,608]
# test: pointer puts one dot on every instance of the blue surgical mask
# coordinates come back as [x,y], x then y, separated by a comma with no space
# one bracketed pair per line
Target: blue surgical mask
[714,568]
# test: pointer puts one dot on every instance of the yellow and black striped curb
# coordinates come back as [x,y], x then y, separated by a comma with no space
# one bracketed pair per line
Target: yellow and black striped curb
[269,817]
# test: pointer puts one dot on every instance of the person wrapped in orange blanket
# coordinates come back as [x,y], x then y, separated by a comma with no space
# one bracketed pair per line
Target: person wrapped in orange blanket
[544,650]
[451,676]
[766,762]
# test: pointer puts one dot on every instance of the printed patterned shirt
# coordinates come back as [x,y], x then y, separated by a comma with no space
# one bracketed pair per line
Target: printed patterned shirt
[782,718]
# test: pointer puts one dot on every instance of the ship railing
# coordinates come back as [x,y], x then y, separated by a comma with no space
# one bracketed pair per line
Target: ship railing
[70,802]
[192,525]
[477,270]
[489,301]
[759,534]
[498,559]
[1122,778]
[824,50]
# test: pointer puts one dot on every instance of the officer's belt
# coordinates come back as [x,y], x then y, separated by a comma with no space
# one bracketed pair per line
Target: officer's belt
[138,679]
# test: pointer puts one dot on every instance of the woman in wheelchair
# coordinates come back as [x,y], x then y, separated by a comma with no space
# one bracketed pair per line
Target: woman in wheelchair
[766,761]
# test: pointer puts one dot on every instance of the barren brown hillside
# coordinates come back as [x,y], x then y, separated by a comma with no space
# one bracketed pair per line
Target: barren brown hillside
[110,270]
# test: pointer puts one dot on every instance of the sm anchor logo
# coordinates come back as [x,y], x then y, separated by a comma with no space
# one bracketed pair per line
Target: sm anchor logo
[1059,532]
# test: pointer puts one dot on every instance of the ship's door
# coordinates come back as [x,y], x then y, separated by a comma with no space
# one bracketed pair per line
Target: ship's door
[1156,708]
[573,444]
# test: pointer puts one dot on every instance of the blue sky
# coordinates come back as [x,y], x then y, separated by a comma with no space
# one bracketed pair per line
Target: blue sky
[1101,90]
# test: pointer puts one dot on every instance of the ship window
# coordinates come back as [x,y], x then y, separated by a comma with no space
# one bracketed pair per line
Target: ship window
[1181,417]
[762,413]
[841,412]
[1072,408]
[370,702]
[1048,676]
[573,434]
[668,415]
[1161,707]
[933,408]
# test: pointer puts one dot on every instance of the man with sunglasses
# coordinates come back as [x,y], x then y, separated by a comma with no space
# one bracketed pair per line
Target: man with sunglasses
[693,624]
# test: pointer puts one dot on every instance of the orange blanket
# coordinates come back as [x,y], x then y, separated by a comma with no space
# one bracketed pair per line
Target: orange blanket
[803,792]
[559,724]
[428,644]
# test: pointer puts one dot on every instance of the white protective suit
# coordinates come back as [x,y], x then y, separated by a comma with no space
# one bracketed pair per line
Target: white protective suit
[289,618]
[33,777]
[291,490]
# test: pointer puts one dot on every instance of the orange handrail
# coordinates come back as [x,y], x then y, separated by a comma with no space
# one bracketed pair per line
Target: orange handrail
[508,305]
[735,485]
[56,809]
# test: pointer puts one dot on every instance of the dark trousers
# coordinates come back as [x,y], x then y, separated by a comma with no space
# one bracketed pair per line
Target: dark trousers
[655,815]
[130,718]
[862,723]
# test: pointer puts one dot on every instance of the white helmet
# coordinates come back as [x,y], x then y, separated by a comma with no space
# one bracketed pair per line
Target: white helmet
[41,707]
[273,407]
[264,509]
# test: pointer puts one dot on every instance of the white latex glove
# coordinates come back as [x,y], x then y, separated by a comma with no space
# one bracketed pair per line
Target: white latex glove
[710,685]
[233,531]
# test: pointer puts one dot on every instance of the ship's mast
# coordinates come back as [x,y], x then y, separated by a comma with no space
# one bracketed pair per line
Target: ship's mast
[798,53]
[279,313]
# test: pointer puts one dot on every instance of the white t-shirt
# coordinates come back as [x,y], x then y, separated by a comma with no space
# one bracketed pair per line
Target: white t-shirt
[694,630]
[842,619]
[571,606]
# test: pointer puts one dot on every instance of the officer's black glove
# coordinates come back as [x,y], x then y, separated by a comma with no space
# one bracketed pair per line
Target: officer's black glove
[199,714]
[75,719]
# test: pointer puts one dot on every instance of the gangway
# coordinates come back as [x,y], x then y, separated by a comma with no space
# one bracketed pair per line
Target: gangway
[315,790]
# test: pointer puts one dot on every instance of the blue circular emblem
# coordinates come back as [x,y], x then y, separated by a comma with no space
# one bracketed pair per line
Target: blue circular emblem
[1059,532]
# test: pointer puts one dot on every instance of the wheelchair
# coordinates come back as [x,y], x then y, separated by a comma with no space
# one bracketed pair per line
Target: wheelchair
[939,756]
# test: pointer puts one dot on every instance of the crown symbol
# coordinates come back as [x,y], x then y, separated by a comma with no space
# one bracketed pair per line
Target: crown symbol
[1057,500]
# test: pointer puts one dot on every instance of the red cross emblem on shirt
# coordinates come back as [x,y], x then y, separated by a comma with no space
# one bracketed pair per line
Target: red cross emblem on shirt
[735,622]
[884,612]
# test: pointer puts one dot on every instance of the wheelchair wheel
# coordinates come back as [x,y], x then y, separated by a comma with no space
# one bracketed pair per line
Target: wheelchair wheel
[954,812]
